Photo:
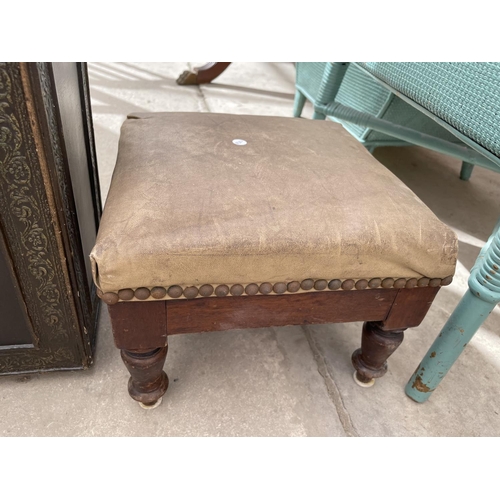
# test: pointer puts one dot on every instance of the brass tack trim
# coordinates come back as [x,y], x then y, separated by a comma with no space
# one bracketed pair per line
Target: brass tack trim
[252,289]
[387,283]
[307,284]
[320,284]
[237,290]
[191,292]
[334,284]
[222,290]
[400,283]
[423,282]
[411,283]
[126,294]
[158,292]
[110,298]
[142,293]
[175,291]
[206,290]
[348,285]
[361,284]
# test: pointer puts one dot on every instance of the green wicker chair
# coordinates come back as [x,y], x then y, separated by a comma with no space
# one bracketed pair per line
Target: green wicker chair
[351,86]
[464,99]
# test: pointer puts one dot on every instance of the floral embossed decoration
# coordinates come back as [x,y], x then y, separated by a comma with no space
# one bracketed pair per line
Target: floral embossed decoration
[17,196]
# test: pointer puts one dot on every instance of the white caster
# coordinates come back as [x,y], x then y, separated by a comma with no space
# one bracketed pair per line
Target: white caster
[362,384]
[151,407]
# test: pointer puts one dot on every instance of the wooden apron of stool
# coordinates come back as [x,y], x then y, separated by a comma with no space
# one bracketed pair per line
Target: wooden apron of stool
[140,329]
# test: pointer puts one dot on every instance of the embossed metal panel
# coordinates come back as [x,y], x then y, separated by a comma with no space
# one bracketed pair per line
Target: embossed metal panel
[15,327]
[39,221]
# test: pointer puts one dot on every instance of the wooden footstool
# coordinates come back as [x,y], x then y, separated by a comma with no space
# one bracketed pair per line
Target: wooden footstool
[217,222]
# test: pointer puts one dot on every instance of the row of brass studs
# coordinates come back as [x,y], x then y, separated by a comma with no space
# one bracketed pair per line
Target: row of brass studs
[191,292]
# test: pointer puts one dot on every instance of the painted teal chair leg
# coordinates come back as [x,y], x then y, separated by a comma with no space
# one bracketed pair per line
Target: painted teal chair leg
[330,84]
[458,331]
[318,116]
[298,103]
[477,303]
[466,171]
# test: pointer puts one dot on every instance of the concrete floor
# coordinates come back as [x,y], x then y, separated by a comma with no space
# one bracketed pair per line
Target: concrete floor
[289,381]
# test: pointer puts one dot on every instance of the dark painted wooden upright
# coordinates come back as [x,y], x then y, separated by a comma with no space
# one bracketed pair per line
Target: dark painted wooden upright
[49,212]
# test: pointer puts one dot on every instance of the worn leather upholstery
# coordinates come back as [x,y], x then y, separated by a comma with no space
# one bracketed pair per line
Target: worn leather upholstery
[301,200]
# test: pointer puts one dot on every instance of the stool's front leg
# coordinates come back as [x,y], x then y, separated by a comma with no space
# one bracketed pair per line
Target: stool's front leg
[148,382]
[140,332]
[377,345]
[380,339]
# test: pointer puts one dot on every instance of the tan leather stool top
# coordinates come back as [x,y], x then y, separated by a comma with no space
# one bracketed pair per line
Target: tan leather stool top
[207,204]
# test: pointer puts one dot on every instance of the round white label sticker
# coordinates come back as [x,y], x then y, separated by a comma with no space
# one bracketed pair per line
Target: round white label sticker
[239,142]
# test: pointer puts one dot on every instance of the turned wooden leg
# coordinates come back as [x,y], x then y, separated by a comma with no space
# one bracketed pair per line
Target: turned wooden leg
[377,345]
[148,382]
[140,332]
